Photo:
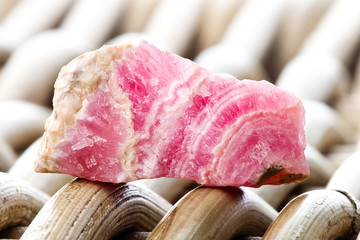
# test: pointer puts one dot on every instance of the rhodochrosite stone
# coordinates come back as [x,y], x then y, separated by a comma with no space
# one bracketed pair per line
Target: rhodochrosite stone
[127,112]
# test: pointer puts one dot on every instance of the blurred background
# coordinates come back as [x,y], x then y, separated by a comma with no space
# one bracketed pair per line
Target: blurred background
[311,48]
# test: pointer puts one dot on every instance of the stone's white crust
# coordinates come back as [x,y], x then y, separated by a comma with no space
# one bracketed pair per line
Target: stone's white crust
[78,79]
[128,156]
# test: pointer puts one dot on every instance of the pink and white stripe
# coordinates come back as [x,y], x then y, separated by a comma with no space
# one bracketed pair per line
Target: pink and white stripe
[156,114]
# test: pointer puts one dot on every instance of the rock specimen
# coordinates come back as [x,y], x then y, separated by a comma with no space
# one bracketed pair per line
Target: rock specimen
[127,112]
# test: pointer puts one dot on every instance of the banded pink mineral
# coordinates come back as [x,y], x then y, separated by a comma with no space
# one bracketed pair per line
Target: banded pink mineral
[127,112]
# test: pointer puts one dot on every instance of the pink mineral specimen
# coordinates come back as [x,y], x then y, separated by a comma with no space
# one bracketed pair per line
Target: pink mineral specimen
[125,112]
